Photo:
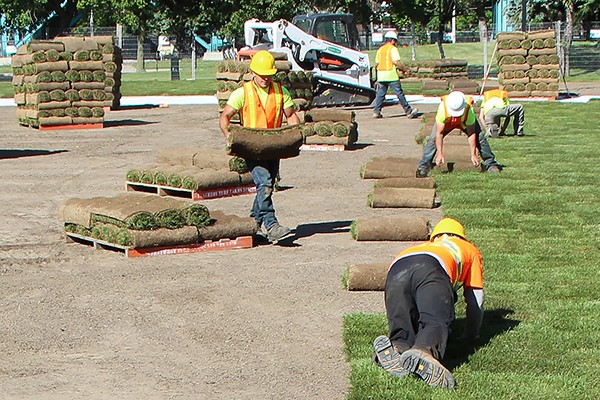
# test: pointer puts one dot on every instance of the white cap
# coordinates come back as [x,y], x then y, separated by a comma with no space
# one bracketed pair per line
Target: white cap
[391,35]
[456,103]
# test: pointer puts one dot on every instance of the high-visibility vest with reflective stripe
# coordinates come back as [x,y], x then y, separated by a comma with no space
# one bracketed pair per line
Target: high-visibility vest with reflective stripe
[460,259]
[384,61]
[258,115]
[456,122]
[488,94]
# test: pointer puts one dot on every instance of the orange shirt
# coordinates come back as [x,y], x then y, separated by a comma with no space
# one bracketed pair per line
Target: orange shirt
[460,259]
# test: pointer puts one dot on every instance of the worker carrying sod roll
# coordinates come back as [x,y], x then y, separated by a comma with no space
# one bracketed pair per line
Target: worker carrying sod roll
[263,105]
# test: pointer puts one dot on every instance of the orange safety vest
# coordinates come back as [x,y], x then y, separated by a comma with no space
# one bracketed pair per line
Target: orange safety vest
[460,259]
[384,61]
[257,115]
[488,94]
[456,122]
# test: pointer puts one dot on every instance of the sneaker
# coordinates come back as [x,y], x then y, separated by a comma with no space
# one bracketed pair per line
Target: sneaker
[387,357]
[422,173]
[493,170]
[377,115]
[520,134]
[414,113]
[427,368]
[277,233]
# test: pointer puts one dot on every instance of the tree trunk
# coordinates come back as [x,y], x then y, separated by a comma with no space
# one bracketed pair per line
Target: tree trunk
[413,42]
[568,36]
[483,31]
[140,51]
[440,40]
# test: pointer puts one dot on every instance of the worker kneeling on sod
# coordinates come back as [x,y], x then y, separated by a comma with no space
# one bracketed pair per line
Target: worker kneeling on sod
[420,293]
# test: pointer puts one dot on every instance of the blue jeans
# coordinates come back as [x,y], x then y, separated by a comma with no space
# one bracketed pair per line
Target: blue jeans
[382,89]
[264,174]
[489,159]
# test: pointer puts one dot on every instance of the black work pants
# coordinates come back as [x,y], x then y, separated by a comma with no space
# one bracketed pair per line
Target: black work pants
[419,302]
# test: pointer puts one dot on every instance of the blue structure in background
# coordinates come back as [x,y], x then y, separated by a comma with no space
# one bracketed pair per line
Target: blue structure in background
[500,18]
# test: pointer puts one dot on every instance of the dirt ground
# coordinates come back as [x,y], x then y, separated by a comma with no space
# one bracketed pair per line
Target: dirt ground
[260,323]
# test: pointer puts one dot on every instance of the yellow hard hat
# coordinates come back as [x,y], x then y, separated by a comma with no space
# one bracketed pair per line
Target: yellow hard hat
[449,226]
[263,63]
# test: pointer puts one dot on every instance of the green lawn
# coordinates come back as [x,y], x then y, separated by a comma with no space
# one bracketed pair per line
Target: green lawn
[538,227]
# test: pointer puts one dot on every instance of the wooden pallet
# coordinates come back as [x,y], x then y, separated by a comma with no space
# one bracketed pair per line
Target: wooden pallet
[195,195]
[71,126]
[322,147]
[242,242]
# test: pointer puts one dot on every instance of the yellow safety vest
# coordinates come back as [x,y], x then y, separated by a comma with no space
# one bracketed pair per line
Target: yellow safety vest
[257,115]
[384,61]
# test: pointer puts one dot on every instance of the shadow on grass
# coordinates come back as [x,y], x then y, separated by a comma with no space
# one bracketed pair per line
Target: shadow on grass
[16,153]
[126,122]
[495,322]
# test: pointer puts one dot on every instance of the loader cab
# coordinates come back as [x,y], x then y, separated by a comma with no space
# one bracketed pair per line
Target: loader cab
[336,28]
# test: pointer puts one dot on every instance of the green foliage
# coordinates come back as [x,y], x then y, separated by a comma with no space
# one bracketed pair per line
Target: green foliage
[537,225]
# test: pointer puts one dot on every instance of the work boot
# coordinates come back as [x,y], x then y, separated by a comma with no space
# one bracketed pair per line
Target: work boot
[387,357]
[414,113]
[377,115]
[277,233]
[493,170]
[427,368]
[422,173]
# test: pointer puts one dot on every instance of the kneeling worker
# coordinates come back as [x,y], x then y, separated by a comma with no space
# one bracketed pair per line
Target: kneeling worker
[456,112]
[496,105]
[420,293]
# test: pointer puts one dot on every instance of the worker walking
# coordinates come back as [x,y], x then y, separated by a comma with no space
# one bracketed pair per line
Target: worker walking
[386,62]
[262,103]
[496,105]
[420,292]
[456,112]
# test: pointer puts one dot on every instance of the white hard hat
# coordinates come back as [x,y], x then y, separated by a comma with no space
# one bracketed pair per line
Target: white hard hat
[456,103]
[391,35]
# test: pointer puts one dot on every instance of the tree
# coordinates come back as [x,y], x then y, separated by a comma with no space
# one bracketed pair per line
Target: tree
[26,15]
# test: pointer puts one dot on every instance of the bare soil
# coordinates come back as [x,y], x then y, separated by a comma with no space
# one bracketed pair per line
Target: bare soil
[260,323]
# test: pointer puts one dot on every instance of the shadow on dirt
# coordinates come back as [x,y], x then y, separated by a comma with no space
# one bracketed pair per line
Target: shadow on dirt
[136,107]
[306,230]
[126,122]
[16,153]
[495,322]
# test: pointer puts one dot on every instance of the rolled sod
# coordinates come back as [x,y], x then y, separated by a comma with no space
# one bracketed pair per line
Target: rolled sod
[88,120]
[81,55]
[199,179]
[548,33]
[90,65]
[87,103]
[342,128]
[97,112]
[323,128]
[307,129]
[65,56]
[394,197]
[406,228]
[86,76]
[389,167]
[197,215]
[72,112]
[72,95]
[164,237]
[423,183]
[86,94]
[170,219]
[54,121]
[89,85]
[107,48]
[58,112]
[317,115]
[238,164]
[51,66]
[53,104]
[39,56]
[73,75]
[85,112]
[96,55]
[265,144]
[42,45]
[225,226]
[367,276]
[316,139]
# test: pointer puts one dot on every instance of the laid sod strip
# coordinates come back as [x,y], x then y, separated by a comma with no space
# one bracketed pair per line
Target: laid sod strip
[536,224]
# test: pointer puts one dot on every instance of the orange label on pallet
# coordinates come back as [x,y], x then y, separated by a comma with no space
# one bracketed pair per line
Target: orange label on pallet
[243,242]
[72,126]
[223,192]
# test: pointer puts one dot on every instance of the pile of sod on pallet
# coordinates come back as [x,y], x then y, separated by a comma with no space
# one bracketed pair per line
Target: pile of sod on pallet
[232,74]
[66,81]
[135,220]
[438,68]
[193,169]
[330,126]
[528,64]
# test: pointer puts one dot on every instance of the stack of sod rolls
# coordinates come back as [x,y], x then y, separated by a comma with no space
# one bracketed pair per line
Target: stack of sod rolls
[330,126]
[230,76]
[193,169]
[135,220]
[438,69]
[65,81]
[528,64]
